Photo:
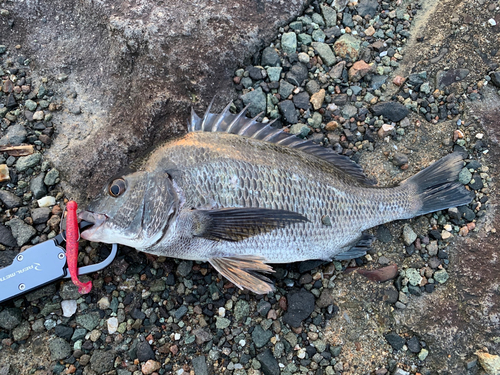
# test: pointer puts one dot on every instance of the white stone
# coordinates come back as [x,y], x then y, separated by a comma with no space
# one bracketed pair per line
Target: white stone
[68,307]
[46,201]
[222,312]
[492,22]
[177,336]
[303,57]
[112,325]
[103,303]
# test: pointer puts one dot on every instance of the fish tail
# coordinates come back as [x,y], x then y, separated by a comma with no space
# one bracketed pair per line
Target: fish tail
[437,187]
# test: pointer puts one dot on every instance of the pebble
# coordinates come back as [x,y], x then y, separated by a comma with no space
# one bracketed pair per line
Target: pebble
[9,199]
[289,43]
[52,177]
[15,135]
[37,186]
[325,52]
[102,361]
[89,321]
[317,99]
[441,276]
[150,366]
[200,365]
[59,349]
[409,236]
[396,341]
[68,307]
[261,337]
[422,355]
[269,364]
[300,306]
[393,111]
[21,231]
[25,162]
[489,362]
[10,318]
[4,173]
[46,201]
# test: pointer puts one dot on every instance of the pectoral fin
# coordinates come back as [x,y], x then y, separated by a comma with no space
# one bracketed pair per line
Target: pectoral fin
[242,272]
[236,224]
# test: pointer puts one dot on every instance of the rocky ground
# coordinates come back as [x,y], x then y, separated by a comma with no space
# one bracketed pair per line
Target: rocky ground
[393,85]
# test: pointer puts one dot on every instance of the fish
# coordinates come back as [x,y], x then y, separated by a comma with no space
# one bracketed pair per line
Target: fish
[242,195]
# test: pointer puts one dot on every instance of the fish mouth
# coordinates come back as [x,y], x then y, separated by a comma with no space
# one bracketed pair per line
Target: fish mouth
[97,220]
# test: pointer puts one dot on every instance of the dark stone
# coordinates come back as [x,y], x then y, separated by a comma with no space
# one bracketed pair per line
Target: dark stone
[415,290]
[9,199]
[288,111]
[102,361]
[367,7]
[10,318]
[11,101]
[476,185]
[63,332]
[347,19]
[391,294]
[144,351]
[446,78]
[301,100]
[495,78]
[38,187]
[466,213]
[269,363]
[263,308]
[377,82]
[435,234]
[136,313]
[180,312]
[297,74]
[6,237]
[254,73]
[309,265]
[261,337]
[270,57]
[285,89]
[300,306]
[395,340]
[414,345]
[339,99]
[384,234]
[16,134]
[393,111]
[399,159]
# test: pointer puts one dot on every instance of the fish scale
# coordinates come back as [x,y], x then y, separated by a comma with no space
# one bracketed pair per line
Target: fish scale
[241,194]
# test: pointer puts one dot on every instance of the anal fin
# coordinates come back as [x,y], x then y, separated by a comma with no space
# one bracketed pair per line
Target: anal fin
[243,272]
[358,250]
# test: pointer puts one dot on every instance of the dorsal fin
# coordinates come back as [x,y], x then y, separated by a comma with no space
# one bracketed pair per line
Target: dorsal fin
[239,124]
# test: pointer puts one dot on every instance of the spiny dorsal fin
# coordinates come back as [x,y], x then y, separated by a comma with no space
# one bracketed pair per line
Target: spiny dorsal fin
[236,224]
[227,122]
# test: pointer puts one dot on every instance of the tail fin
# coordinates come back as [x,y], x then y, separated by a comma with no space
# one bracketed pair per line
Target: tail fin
[437,187]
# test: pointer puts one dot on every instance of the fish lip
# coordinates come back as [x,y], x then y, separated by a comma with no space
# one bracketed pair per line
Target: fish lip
[92,217]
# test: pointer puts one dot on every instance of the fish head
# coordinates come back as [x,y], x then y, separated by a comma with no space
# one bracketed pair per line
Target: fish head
[134,210]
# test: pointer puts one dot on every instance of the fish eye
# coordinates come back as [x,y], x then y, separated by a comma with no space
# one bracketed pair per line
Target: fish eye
[117,187]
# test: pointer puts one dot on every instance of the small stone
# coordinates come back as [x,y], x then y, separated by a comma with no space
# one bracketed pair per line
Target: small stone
[464,177]
[222,322]
[38,116]
[317,99]
[29,161]
[370,31]
[337,70]
[325,299]
[331,125]
[300,130]
[6,237]
[102,361]
[297,74]
[261,337]
[399,159]
[150,366]
[347,47]
[274,73]
[358,70]
[9,199]
[325,52]
[423,354]
[37,186]
[270,57]
[287,109]
[285,89]
[489,362]
[300,306]
[413,276]
[22,331]
[301,100]
[46,201]
[269,364]
[68,307]
[256,100]
[10,318]
[21,231]
[30,105]
[441,276]
[15,135]
[385,130]
[303,58]
[394,111]
[492,22]
[446,235]
[398,80]
[409,236]
[51,177]
[329,14]
[89,321]
[4,173]
[413,345]
[59,349]
[289,43]
[40,215]
[395,340]
[144,350]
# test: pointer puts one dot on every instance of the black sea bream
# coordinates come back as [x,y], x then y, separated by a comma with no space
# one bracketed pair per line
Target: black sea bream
[240,194]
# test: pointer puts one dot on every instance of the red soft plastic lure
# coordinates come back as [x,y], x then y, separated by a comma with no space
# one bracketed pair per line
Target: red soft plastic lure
[72,238]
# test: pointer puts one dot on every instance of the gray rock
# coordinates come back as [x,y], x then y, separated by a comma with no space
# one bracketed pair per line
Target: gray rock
[22,331]
[305,39]
[9,199]
[367,7]
[30,105]
[349,111]
[59,349]
[200,365]
[25,162]
[180,312]
[393,111]
[285,89]
[337,70]
[40,215]
[289,42]
[270,57]
[88,321]
[10,318]
[329,14]
[21,231]
[325,299]
[69,291]
[317,19]
[261,337]
[409,236]
[395,340]
[269,364]
[256,100]
[6,237]
[184,268]
[38,187]
[413,276]
[241,310]
[51,177]
[318,36]
[464,176]
[222,323]
[288,111]
[297,74]
[102,361]
[399,159]
[325,52]
[445,78]
[441,276]
[312,87]
[495,78]
[300,306]
[78,334]
[399,371]
[16,134]
[301,100]
[144,350]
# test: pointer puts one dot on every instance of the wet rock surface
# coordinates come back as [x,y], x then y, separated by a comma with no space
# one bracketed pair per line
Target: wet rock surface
[380,82]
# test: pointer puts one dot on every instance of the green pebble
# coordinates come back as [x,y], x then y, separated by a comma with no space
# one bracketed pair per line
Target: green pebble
[464,176]
[222,323]
[423,354]
[441,276]
[274,73]
[413,276]
[30,105]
